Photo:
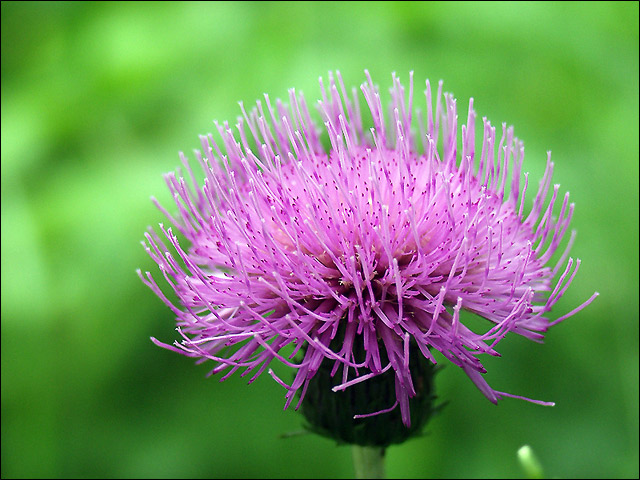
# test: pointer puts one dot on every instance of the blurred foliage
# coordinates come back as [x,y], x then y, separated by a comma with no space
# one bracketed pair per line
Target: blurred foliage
[97,98]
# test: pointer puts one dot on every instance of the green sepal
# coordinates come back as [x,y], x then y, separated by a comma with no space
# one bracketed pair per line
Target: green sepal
[330,413]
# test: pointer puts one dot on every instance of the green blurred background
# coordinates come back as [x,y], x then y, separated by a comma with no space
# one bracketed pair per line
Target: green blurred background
[97,100]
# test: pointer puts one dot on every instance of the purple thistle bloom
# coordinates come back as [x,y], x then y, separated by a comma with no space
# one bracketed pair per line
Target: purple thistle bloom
[378,237]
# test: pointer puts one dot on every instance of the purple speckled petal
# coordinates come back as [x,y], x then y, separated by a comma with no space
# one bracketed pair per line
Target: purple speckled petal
[386,242]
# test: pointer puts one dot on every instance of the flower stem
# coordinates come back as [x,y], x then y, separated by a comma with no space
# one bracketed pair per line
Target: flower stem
[368,462]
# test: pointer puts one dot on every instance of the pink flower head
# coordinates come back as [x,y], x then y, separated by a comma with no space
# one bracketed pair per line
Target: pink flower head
[379,242]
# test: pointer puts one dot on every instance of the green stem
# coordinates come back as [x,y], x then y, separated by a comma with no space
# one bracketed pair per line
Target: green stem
[368,462]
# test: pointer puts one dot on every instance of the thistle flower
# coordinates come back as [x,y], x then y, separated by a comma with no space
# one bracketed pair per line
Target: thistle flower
[376,244]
